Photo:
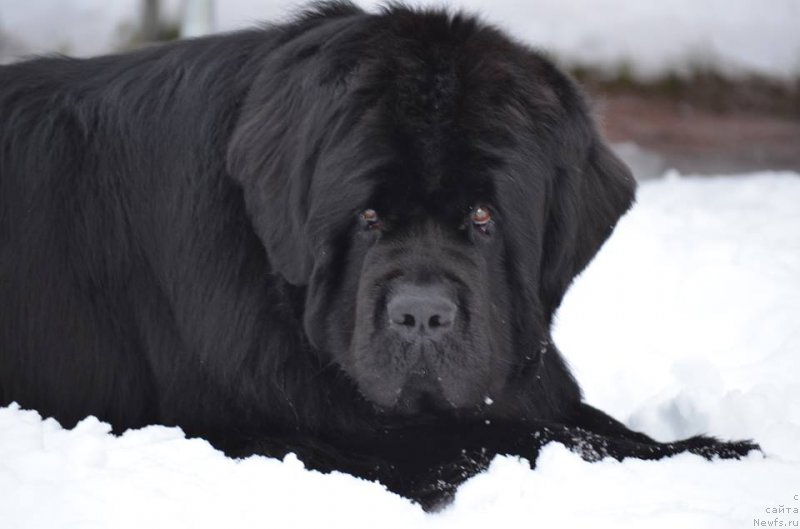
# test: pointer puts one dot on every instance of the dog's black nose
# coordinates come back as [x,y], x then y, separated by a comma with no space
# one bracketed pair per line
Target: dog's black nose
[420,311]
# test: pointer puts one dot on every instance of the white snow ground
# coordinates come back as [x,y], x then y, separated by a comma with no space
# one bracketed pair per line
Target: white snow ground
[688,321]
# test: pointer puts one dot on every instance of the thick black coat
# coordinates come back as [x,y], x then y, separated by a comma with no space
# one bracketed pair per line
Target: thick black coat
[180,243]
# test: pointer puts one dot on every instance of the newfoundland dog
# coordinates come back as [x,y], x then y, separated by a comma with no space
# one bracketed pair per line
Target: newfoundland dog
[343,237]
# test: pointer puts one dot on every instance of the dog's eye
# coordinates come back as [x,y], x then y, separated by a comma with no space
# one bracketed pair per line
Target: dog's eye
[480,217]
[370,219]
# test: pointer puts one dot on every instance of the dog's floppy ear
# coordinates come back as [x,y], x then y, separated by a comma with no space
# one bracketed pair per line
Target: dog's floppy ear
[273,155]
[275,189]
[590,192]
[292,113]
[283,155]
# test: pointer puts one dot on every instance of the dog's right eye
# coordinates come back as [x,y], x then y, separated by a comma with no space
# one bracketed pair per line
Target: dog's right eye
[370,219]
[480,216]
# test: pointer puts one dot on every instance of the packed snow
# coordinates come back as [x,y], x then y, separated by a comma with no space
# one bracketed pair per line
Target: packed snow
[649,38]
[688,321]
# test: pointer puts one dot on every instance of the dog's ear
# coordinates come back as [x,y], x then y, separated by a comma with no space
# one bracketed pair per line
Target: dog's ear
[273,153]
[295,109]
[298,189]
[591,190]
[275,190]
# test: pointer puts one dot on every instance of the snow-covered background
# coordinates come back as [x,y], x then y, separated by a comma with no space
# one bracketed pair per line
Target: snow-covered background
[735,36]
[688,321]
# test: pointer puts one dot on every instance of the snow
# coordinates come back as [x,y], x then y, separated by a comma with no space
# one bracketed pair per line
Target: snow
[737,36]
[687,321]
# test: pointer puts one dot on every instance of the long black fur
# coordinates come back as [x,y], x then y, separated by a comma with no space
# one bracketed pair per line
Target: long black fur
[179,241]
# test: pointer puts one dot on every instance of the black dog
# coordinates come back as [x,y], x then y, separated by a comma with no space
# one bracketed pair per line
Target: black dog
[344,237]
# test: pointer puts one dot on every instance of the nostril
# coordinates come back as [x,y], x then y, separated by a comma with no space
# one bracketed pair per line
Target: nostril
[437,321]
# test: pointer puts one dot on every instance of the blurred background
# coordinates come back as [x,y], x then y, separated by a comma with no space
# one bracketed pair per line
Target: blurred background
[704,87]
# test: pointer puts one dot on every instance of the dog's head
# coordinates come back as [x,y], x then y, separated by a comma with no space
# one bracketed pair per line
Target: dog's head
[436,187]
